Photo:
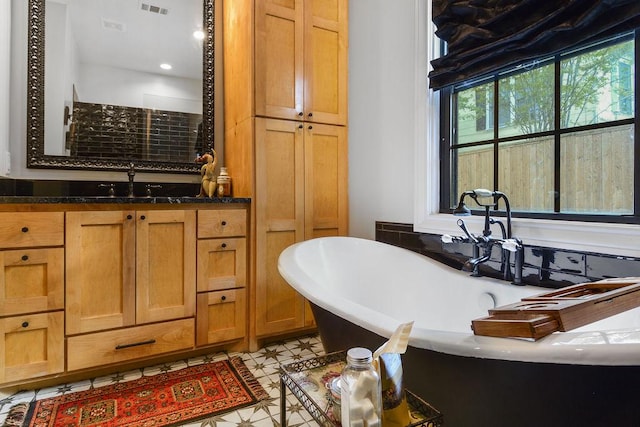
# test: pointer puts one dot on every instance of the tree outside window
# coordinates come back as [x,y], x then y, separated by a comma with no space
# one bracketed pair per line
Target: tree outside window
[576,157]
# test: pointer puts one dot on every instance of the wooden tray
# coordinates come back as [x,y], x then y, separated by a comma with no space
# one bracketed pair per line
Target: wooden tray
[560,310]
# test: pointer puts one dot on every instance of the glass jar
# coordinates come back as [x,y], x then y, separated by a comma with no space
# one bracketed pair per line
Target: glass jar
[361,400]
[334,398]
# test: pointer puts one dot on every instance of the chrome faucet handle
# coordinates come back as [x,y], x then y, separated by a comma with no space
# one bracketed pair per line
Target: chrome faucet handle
[470,236]
[148,188]
[111,187]
[512,245]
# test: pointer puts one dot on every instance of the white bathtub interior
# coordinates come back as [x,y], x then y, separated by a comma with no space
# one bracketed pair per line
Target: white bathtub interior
[378,286]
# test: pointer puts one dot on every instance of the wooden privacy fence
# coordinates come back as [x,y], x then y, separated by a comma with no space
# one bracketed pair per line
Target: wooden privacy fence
[596,171]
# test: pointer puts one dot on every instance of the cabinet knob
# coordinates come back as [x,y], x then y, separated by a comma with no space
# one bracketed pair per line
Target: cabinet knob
[300,114]
[300,126]
[25,257]
[224,245]
[25,229]
[310,127]
[224,222]
[129,217]
[223,297]
[310,114]
[142,217]
[25,324]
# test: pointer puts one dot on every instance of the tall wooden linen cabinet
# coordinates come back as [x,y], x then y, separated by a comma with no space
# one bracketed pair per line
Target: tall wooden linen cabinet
[285,83]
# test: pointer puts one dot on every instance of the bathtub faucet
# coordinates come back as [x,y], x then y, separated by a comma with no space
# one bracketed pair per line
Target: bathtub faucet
[472,264]
[483,244]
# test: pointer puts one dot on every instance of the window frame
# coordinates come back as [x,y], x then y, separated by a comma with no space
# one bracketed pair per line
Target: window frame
[446,96]
[622,239]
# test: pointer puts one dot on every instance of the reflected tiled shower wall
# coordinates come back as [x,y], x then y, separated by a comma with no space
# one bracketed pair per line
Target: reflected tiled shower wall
[548,267]
[108,131]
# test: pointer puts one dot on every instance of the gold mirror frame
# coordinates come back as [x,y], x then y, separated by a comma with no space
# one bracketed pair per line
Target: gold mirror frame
[35,103]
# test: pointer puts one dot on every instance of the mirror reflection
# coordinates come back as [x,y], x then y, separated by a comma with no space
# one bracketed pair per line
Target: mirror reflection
[124,82]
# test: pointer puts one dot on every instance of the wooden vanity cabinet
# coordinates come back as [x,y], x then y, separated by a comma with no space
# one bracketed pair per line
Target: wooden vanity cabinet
[222,277]
[31,295]
[93,288]
[126,269]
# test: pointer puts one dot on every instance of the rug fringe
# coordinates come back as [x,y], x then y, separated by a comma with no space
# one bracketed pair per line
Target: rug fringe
[17,414]
[249,379]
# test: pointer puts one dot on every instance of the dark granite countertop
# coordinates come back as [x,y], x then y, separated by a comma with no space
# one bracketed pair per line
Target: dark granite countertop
[115,200]
[25,191]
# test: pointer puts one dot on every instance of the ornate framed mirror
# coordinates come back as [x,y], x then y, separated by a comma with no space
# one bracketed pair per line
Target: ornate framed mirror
[83,131]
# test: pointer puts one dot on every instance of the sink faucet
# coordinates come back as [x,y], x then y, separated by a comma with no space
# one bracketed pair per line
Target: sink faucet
[485,242]
[131,173]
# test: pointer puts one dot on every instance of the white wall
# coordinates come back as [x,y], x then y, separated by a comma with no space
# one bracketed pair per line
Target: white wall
[107,85]
[5,84]
[382,111]
[58,77]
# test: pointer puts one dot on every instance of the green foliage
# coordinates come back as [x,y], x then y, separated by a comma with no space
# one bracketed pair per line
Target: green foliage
[592,86]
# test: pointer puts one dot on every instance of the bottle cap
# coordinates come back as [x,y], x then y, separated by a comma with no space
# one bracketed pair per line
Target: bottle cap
[359,354]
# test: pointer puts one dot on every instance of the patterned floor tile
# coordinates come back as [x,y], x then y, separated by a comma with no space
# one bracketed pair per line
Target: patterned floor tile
[264,364]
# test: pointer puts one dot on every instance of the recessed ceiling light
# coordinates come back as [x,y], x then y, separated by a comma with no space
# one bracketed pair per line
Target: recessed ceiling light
[198,35]
[166,66]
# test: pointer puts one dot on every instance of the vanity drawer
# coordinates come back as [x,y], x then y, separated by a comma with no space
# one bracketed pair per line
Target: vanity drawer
[103,348]
[221,316]
[31,346]
[31,229]
[222,263]
[31,280]
[222,223]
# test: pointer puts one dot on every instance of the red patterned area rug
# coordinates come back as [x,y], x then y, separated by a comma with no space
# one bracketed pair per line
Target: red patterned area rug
[171,398]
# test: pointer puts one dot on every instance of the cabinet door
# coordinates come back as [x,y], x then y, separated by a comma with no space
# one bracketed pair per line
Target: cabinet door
[279,58]
[222,264]
[100,270]
[31,280]
[326,196]
[31,346]
[279,204]
[221,316]
[325,61]
[165,265]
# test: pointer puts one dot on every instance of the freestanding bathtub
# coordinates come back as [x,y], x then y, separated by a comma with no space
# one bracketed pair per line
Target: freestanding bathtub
[361,290]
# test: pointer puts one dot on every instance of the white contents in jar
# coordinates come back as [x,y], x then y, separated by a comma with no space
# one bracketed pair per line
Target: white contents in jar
[360,391]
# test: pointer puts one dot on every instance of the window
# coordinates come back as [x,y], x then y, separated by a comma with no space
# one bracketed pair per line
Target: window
[556,135]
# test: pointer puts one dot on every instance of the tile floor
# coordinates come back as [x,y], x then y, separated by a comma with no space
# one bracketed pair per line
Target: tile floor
[264,364]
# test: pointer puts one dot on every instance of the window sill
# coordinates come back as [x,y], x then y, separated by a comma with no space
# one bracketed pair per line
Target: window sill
[612,239]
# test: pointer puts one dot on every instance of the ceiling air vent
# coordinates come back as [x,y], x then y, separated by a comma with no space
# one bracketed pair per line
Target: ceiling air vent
[108,24]
[153,9]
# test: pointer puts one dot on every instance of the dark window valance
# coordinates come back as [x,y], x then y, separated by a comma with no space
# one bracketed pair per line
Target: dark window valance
[487,35]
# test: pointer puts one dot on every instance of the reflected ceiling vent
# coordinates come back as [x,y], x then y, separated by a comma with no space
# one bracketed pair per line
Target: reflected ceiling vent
[108,24]
[154,9]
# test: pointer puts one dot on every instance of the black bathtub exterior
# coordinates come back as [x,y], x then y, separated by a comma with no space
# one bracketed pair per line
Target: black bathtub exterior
[474,392]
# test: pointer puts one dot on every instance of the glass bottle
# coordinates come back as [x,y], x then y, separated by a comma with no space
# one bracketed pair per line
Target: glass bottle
[224,183]
[361,398]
